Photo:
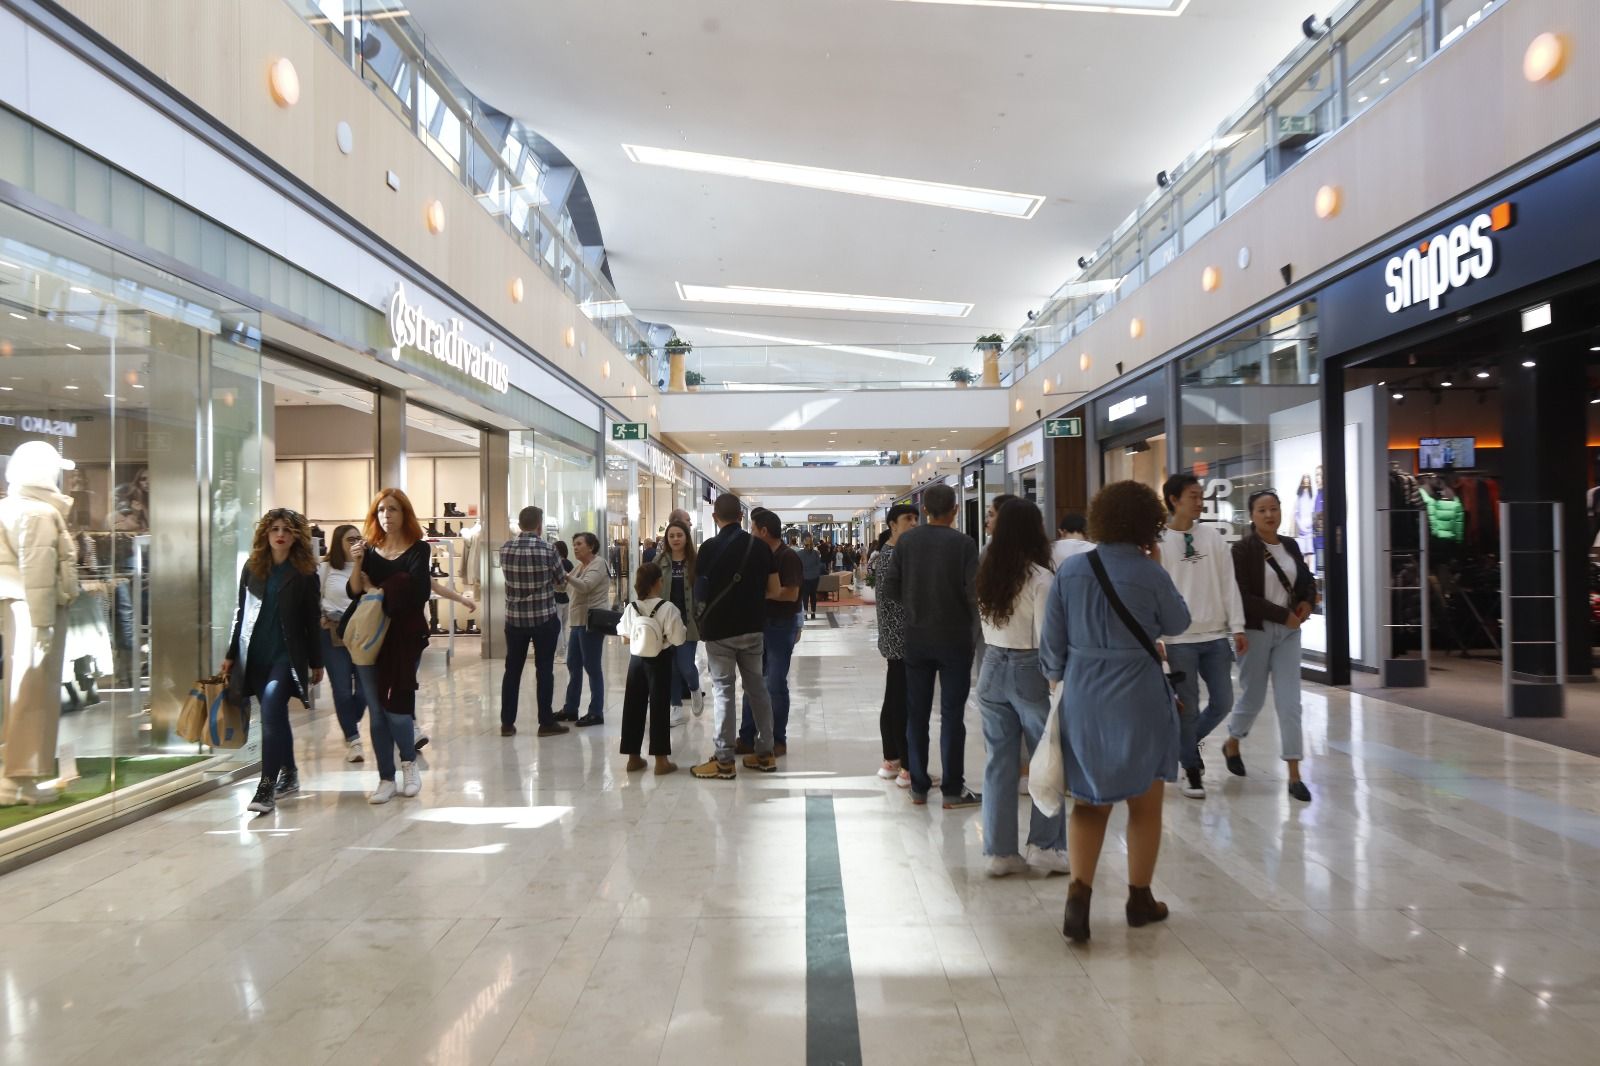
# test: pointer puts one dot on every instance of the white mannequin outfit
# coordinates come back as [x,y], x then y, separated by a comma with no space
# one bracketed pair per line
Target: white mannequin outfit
[38,580]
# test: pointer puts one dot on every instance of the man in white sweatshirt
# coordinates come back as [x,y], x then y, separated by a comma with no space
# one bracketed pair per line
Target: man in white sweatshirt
[1201,565]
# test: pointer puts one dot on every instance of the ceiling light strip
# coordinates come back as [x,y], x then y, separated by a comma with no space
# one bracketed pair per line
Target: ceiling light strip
[908,190]
[848,349]
[820,301]
[1132,7]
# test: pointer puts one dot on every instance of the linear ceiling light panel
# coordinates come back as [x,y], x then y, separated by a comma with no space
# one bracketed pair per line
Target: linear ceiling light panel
[1166,8]
[820,301]
[848,349]
[909,190]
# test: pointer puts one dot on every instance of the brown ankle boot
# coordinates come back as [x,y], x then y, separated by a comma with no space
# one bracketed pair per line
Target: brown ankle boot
[1075,925]
[1143,908]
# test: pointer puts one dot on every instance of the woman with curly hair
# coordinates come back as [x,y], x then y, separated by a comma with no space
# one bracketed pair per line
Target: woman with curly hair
[393,557]
[1013,583]
[1119,720]
[274,652]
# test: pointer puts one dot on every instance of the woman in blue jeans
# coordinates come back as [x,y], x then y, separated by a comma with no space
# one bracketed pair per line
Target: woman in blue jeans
[1013,584]
[349,703]
[274,653]
[588,586]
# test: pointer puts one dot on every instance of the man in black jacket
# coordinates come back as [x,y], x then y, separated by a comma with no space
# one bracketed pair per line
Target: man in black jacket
[934,576]
[731,582]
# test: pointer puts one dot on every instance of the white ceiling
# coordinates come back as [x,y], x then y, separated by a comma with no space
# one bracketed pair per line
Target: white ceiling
[1082,108]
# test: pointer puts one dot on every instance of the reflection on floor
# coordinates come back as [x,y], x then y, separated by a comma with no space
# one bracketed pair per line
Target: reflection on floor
[1439,902]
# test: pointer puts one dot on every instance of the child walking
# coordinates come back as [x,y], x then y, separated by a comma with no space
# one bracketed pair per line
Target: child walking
[652,627]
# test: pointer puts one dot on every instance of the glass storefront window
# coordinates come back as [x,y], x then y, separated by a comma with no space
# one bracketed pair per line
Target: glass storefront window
[149,387]
[1250,420]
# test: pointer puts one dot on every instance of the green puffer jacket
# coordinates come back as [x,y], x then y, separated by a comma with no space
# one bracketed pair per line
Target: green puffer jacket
[1447,519]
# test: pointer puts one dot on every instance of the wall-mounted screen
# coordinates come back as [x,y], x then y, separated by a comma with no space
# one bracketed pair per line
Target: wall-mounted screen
[1436,453]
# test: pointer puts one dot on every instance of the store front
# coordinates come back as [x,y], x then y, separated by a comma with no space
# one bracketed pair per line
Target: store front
[1131,427]
[1025,466]
[1471,354]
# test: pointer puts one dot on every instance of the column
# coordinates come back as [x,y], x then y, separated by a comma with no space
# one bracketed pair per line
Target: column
[390,445]
[494,459]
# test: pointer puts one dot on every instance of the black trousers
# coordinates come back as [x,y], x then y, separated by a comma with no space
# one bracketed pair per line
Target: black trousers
[892,719]
[649,689]
[808,594]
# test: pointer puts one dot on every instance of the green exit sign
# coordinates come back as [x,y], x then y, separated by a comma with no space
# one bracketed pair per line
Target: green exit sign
[630,431]
[1063,427]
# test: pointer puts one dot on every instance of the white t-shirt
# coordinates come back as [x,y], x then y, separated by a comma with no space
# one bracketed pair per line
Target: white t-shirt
[1274,588]
[1064,549]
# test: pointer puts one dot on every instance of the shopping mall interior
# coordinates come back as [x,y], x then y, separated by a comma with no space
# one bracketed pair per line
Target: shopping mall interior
[364,365]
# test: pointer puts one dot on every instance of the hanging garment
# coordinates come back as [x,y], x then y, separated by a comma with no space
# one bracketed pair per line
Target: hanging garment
[1446,518]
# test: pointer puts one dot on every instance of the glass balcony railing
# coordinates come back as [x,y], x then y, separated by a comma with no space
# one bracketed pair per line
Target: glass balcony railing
[490,153]
[808,367]
[1371,47]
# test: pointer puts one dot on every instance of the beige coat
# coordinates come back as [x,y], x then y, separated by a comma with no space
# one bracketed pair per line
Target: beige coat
[589,585]
[38,560]
[38,578]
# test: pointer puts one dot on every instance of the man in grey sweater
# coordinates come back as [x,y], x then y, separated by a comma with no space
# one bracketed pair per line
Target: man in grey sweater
[934,576]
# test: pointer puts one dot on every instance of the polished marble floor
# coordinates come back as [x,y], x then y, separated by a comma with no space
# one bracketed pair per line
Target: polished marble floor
[1439,902]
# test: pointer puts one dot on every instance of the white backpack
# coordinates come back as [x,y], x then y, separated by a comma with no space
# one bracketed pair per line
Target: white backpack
[645,636]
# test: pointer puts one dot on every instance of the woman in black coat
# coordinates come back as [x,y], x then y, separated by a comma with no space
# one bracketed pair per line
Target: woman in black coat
[274,653]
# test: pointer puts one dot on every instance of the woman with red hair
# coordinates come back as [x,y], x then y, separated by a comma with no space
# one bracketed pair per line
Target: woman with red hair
[394,558]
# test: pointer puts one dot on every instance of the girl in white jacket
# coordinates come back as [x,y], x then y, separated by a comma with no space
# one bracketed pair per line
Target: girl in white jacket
[651,627]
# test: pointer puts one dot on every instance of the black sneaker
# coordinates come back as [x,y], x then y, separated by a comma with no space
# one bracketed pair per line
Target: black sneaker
[1192,786]
[590,719]
[1299,791]
[553,730]
[566,716]
[263,802]
[288,781]
[1235,764]
[968,798]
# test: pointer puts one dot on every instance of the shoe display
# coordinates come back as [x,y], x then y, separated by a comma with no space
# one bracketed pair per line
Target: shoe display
[1143,908]
[1192,785]
[1005,865]
[384,794]
[553,730]
[288,781]
[1299,791]
[968,798]
[264,803]
[452,511]
[352,750]
[1075,923]
[765,763]
[412,777]
[589,720]
[1050,860]
[712,769]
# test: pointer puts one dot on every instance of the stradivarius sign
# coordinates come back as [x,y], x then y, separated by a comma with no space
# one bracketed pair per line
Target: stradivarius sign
[409,327]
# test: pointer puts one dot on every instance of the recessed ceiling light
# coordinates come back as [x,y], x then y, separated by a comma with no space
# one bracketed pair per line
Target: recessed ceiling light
[137,385]
[848,349]
[910,190]
[109,395]
[80,290]
[6,388]
[1483,373]
[1529,363]
[1165,8]
[22,317]
[70,388]
[74,347]
[820,301]
[1446,384]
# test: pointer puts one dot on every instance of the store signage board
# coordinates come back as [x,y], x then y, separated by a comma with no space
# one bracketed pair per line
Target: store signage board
[630,431]
[1124,408]
[1539,230]
[43,426]
[1025,451]
[410,327]
[818,519]
[1063,427]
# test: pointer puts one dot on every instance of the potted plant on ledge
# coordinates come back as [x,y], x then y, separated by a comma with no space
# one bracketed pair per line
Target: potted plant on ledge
[962,377]
[990,342]
[693,379]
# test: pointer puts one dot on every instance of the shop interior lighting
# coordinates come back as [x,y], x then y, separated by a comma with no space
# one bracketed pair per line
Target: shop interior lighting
[1529,364]
[1483,373]
[907,190]
[1161,8]
[1536,317]
[820,301]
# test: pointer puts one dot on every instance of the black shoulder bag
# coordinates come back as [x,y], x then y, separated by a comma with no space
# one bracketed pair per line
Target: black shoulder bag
[703,610]
[1133,627]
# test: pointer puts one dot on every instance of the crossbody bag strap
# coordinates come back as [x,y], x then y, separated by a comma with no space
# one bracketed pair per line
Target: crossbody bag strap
[1283,579]
[1118,606]
[738,577]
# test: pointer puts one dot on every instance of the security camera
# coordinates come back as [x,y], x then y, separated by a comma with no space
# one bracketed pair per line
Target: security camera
[1162,180]
[1031,316]
[1314,27]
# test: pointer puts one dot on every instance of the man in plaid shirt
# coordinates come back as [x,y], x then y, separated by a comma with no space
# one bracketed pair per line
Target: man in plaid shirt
[533,574]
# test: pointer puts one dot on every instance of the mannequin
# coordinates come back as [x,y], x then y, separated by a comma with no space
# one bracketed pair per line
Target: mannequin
[38,579]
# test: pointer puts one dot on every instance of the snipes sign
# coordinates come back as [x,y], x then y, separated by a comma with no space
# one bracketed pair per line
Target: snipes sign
[410,328]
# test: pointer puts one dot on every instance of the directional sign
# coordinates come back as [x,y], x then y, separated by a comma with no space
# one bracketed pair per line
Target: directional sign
[1063,427]
[630,430]
[818,519]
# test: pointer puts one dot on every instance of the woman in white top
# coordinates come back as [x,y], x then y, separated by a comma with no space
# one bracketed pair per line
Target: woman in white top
[1014,579]
[348,702]
[653,629]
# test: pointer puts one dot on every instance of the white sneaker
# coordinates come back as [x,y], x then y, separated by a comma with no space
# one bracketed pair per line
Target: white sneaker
[1050,860]
[1006,865]
[889,771]
[412,779]
[352,751]
[904,780]
[384,794]
[699,702]
[677,717]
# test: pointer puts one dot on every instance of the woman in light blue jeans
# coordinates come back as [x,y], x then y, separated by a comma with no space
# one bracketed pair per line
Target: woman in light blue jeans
[1013,584]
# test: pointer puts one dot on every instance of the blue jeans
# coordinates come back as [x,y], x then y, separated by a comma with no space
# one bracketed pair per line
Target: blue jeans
[1015,698]
[952,666]
[1212,662]
[277,739]
[777,652]
[685,674]
[389,730]
[349,702]
[584,651]
[1274,655]
[544,637]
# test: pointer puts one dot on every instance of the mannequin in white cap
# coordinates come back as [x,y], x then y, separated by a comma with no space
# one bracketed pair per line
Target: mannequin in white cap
[38,579]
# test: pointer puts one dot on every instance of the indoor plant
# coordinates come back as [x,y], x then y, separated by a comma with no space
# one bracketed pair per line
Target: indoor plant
[990,342]
[962,377]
